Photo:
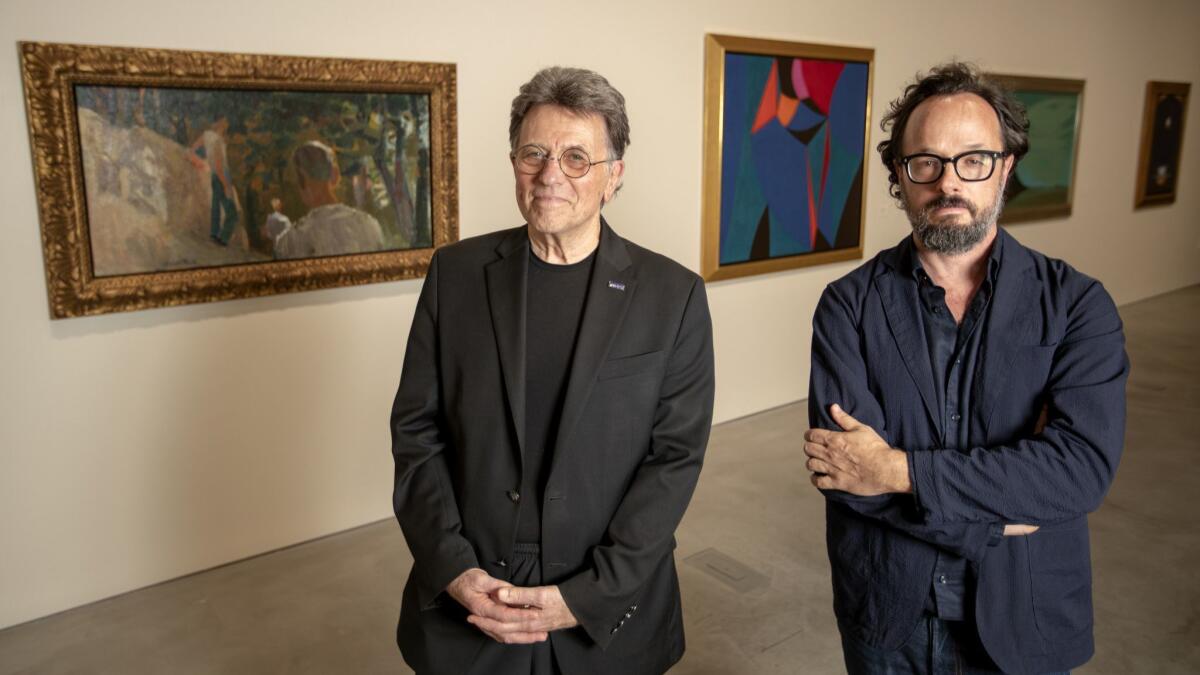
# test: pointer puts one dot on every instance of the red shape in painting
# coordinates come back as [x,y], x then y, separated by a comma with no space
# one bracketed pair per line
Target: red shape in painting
[821,78]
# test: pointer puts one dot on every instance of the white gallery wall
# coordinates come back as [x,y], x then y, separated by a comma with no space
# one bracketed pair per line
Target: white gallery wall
[138,447]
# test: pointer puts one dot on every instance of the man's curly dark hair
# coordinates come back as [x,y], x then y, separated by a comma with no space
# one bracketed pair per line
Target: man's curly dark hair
[953,78]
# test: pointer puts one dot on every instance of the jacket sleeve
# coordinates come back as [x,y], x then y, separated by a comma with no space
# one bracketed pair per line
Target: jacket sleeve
[641,532]
[1065,470]
[839,375]
[423,496]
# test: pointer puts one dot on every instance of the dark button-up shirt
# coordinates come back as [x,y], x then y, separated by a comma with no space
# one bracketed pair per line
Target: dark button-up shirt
[954,356]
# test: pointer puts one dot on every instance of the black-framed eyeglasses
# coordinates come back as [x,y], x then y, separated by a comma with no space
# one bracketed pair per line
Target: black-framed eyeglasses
[574,162]
[973,166]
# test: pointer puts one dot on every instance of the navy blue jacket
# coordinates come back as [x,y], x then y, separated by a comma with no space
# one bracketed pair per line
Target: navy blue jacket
[1054,343]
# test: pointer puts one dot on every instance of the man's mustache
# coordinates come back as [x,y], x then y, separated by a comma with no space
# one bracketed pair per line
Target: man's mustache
[949,202]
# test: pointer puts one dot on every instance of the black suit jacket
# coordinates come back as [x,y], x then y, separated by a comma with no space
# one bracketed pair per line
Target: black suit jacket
[634,426]
[1054,341]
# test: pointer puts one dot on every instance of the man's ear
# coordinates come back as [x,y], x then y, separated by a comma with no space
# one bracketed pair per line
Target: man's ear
[616,173]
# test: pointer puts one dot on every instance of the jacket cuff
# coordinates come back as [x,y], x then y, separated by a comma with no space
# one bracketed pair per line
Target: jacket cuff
[600,617]
[438,576]
[920,472]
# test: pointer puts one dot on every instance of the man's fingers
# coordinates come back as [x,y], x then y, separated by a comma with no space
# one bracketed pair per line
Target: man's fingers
[822,481]
[821,436]
[517,596]
[524,632]
[843,418]
[497,611]
[515,638]
[816,450]
[816,465]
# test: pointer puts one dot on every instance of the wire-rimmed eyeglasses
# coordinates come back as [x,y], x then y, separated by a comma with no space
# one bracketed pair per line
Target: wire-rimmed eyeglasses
[972,166]
[574,162]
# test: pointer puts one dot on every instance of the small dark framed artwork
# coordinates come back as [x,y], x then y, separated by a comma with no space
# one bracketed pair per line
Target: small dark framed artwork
[1162,142]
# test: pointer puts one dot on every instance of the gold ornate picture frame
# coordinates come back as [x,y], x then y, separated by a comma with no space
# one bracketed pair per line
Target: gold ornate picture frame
[174,177]
[1162,143]
[786,146]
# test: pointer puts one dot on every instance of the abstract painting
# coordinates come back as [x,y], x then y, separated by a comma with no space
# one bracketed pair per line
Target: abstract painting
[786,130]
[169,177]
[1042,186]
[1162,142]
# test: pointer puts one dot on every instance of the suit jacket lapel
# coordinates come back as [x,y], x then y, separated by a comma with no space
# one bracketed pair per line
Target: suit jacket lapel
[506,284]
[903,311]
[1011,324]
[611,287]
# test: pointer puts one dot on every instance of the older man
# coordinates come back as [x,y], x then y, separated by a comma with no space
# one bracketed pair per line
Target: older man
[967,411]
[551,419]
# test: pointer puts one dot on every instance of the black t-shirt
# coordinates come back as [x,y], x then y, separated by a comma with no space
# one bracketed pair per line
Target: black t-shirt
[555,297]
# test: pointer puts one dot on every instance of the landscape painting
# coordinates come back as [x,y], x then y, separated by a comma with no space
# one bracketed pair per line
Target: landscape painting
[185,178]
[173,177]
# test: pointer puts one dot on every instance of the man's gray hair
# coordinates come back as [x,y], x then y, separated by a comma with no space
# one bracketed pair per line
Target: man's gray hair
[581,91]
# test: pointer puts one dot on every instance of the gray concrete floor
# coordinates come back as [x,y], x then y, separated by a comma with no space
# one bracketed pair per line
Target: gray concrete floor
[752,562]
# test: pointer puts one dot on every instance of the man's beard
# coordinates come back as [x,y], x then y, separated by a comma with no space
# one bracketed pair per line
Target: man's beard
[947,237]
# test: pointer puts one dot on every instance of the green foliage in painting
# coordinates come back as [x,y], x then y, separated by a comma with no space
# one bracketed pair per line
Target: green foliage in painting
[381,141]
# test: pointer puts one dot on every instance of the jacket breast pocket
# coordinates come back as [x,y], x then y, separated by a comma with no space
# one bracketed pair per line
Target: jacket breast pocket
[1060,572]
[632,365]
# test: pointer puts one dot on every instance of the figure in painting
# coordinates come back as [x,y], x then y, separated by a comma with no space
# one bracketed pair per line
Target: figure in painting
[329,227]
[208,152]
[277,222]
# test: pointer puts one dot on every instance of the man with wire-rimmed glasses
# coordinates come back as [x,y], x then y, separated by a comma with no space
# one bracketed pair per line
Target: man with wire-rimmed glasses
[551,419]
[967,409]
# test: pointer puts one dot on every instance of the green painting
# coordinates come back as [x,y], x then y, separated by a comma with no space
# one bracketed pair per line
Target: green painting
[1041,185]
[179,178]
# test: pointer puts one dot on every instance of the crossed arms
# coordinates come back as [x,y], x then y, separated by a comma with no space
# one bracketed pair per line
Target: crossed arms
[1060,469]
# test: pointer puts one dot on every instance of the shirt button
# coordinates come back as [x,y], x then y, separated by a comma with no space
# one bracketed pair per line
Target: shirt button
[514,496]
[942,579]
[956,417]
[502,563]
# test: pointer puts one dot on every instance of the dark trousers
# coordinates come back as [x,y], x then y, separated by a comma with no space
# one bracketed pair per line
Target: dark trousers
[222,203]
[936,647]
[536,659]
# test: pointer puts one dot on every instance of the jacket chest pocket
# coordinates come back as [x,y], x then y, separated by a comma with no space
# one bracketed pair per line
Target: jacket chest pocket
[1018,390]
[628,366]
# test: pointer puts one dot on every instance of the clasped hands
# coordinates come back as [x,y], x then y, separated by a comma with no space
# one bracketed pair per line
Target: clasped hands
[510,614]
[857,460]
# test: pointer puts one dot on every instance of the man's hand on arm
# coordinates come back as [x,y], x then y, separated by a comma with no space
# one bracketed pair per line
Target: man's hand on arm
[478,592]
[856,460]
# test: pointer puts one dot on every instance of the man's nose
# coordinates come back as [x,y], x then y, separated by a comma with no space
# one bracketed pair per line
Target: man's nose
[551,172]
[949,182]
